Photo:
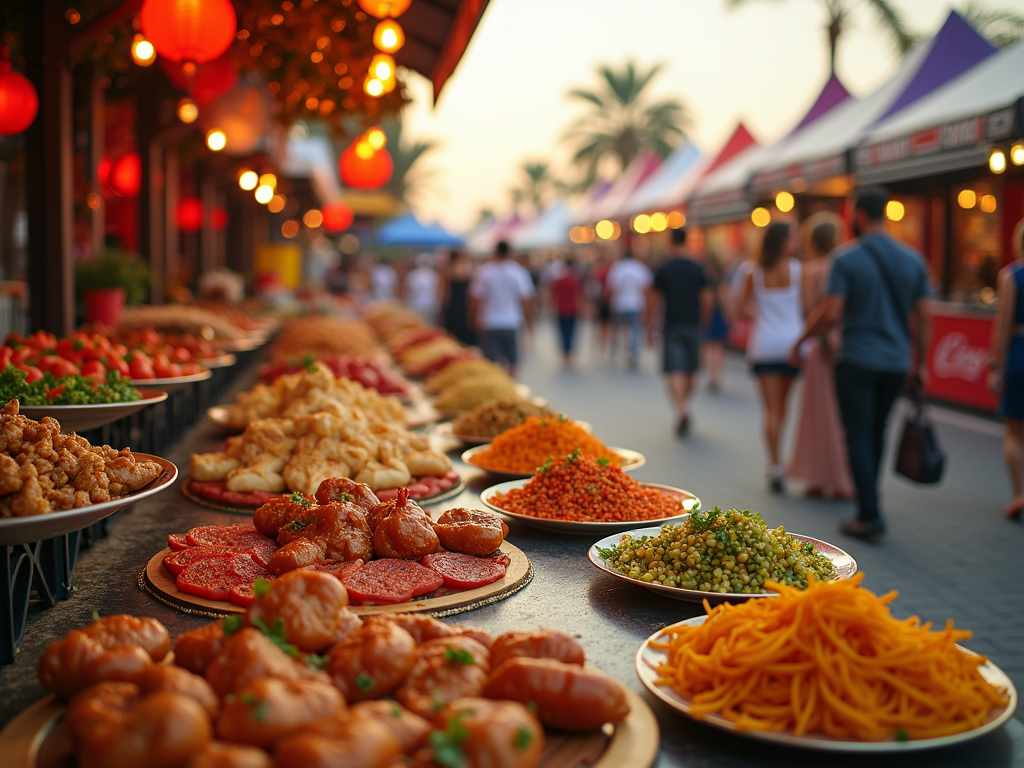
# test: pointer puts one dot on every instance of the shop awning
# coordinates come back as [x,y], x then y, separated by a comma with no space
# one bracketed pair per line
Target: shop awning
[409,231]
[821,150]
[951,128]
[549,230]
[436,35]
[669,185]
[608,204]
[313,158]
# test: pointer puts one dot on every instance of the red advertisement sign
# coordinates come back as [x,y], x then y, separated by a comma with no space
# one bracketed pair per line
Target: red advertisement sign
[958,361]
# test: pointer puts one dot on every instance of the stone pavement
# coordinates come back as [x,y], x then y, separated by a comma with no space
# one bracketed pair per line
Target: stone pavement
[949,551]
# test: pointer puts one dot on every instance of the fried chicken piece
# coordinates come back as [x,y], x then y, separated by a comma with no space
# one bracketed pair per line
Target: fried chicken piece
[31,499]
[270,518]
[211,467]
[127,475]
[337,488]
[269,708]
[248,656]
[10,475]
[261,474]
[309,606]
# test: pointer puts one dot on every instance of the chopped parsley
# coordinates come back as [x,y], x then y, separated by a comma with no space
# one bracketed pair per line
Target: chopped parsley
[571,458]
[447,744]
[364,682]
[277,636]
[260,712]
[604,461]
[547,465]
[95,615]
[299,498]
[524,736]
[316,662]
[461,656]
[309,362]
[261,586]
[902,735]
[67,390]
[231,624]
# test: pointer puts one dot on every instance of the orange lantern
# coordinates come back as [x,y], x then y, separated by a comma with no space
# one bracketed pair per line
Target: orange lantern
[126,175]
[219,219]
[363,167]
[383,9]
[211,80]
[189,30]
[337,217]
[19,101]
[189,214]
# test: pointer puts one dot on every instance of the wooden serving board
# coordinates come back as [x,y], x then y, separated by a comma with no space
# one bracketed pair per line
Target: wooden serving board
[161,585]
[36,739]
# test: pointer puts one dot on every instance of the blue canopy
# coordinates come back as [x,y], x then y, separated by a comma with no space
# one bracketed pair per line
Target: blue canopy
[407,230]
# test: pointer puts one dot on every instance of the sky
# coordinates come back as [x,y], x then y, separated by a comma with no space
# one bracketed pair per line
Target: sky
[506,103]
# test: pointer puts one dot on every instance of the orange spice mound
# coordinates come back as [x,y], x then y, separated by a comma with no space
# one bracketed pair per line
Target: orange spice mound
[526,447]
[829,660]
[581,489]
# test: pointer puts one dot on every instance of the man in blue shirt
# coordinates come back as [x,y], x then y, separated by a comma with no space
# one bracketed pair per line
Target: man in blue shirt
[876,286]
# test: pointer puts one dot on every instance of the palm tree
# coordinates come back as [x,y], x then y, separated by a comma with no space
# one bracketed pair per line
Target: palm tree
[1001,26]
[621,121]
[410,181]
[535,185]
[839,11]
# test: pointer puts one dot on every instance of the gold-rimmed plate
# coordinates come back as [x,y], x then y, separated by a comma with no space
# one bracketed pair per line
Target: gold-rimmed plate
[631,460]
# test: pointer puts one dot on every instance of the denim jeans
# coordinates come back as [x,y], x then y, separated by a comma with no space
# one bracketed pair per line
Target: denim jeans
[632,320]
[865,399]
[567,331]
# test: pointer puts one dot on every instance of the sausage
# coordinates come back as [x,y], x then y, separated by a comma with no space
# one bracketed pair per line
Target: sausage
[499,734]
[542,644]
[470,531]
[248,656]
[446,669]
[307,604]
[268,709]
[195,649]
[372,661]
[342,740]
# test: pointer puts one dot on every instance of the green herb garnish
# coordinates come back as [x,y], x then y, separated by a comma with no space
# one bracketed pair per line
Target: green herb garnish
[277,636]
[461,656]
[261,586]
[298,525]
[231,624]
[68,390]
[902,735]
[603,461]
[364,682]
[447,744]
[523,737]
[316,662]
[299,498]
[309,362]
[562,419]
[571,458]
[95,615]
[547,465]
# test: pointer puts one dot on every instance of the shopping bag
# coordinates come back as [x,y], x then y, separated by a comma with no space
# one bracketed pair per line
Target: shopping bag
[920,457]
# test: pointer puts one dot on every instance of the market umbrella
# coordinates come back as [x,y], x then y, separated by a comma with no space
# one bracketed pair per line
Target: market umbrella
[408,231]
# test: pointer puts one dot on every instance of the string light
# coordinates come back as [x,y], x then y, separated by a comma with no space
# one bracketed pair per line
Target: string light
[376,138]
[388,36]
[760,217]
[264,194]
[216,139]
[143,52]
[784,202]
[187,110]
[248,180]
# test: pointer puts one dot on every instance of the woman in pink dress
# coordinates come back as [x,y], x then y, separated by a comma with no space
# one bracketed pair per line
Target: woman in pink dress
[819,456]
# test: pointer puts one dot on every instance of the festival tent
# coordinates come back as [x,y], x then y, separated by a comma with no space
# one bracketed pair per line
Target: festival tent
[481,242]
[605,207]
[668,185]
[407,230]
[820,151]
[549,230]
[722,194]
[951,128]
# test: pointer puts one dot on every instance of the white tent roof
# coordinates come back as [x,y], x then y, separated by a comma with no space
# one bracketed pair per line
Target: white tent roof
[996,82]
[313,157]
[669,184]
[606,206]
[549,230]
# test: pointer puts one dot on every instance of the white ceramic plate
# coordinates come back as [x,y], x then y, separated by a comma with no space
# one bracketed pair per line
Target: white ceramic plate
[22,530]
[631,460]
[218,414]
[174,383]
[687,504]
[79,418]
[445,430]
[844,564]
[221,361]
[647,660]
[238,345]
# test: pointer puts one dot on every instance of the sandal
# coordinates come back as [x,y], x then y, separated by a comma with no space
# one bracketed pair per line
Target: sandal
[1014,509]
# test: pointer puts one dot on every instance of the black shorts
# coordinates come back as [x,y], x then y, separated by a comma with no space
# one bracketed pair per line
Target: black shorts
[774,368]
[604,312]
[681,353]
[499,345]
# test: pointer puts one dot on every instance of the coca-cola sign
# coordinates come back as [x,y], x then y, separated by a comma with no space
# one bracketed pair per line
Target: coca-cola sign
[958,359]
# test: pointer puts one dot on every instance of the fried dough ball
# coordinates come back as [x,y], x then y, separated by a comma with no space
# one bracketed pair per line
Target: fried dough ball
[406,534]
[195,649]
[567,696]
[216,754]
[446,669]
[470,531]
[94,706]
[279,512]
[164,677]
[295,555]
[409,729]
[372,661]
[122,629]
[348,622]
[401,501]
[248,656]
[307,603]
[337,531]
[346,489]
[342,740]
[542,644]
[423,628]
[268,709]
[501,734]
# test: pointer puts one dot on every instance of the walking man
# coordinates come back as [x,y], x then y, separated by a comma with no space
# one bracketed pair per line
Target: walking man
[681,289]
[628,281]
[500,302]
[876,286]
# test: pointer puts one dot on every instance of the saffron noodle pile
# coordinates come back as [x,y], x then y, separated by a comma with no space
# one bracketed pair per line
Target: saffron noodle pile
[829,660]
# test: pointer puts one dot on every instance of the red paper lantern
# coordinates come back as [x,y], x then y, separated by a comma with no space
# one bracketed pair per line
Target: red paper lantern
[385,8]
[219,218]
[189,214]
[19,101]
[103,170]
[189,30]
[211,80]
[337,217]
[365,169]
[126,175]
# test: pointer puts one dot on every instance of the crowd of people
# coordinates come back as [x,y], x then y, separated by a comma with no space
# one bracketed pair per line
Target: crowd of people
[850,319]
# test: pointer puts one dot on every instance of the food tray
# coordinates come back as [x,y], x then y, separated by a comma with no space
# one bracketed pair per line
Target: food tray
[80,418]
[172,384]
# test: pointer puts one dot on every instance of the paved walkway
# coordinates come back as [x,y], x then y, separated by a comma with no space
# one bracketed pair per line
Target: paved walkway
[949,551]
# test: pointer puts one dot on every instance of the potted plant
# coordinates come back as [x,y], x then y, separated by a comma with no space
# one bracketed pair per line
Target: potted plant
[108,282]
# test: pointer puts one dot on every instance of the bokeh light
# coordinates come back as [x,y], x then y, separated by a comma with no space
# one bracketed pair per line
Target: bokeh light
[659,222]
[784,201]
[760,217]
[642,224]
[894,210]
[248,180]
[967,198]
[264,194]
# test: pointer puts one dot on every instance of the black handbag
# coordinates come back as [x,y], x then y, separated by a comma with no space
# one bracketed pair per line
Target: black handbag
[920,457]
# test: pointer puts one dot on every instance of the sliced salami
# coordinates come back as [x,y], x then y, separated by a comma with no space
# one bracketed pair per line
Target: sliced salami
[215,491]
[340,570]
[219,535]
[501,558]
[177,541]
[388,581]
[461,571]
[244,594]
[214,577]
[176,562]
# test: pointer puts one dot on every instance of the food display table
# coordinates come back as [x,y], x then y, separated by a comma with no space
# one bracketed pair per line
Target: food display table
[612,619]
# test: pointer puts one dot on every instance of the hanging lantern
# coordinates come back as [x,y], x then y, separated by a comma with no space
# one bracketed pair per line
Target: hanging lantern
[19,101]
[189,214]
[337,217]
[219,219]
[383,9]
[210,81]
[126,175]
[382,68]
[388,36]
[189,30]
[362,167]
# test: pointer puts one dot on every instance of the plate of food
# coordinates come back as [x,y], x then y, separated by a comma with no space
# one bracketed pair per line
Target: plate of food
[221,417]
[221,361]
[904,687]
[591,498]
[79,418]
[630,460]
[238,345]
[174,383]
[706,574]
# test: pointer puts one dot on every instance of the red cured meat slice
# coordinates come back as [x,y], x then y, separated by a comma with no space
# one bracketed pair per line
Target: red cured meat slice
[244,594]
[461,571]
[340,570]
[214,577]
[387,494]
[219,535]
[176,562]
[261,548]
[218,492]
[502,558]
[388,581]
[177,541]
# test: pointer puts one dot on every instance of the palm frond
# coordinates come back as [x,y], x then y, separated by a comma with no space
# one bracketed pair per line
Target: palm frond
[593,98]
[1002,26]
[891,21]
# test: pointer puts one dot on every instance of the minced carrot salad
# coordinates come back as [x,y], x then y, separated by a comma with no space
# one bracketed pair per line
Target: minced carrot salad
[580,489]
[524,448]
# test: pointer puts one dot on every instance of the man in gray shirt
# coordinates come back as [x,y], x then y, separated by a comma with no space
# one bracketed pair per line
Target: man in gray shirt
[876,286]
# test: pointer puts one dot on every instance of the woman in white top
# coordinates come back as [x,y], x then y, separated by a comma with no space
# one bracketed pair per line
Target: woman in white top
[772,299]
